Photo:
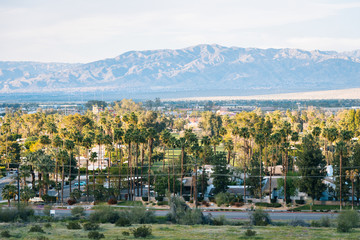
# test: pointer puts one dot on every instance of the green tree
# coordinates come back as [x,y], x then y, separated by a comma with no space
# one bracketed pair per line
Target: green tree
[221,174]
[8,192]
[311,165]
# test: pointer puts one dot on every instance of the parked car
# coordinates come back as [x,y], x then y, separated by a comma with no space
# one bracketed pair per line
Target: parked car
[82,183]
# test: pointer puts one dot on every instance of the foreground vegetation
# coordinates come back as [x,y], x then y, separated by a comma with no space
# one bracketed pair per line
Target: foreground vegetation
[163,231]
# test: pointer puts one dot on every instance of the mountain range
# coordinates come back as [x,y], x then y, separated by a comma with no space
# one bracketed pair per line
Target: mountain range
[202,69]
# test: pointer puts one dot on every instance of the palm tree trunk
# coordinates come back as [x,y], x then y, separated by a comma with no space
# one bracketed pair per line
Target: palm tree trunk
[79,171]
[141,170]
[340,180]
[62,184]
[173,171]
[182,169]
[149,170]
[70,174]
[137,170]
[120,166]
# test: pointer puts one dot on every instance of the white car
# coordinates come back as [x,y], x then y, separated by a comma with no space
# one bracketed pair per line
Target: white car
[36,199]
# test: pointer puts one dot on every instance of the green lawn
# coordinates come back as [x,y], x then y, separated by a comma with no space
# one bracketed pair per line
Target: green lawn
[162,231]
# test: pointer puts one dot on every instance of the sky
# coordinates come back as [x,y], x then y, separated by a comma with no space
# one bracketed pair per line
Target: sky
[89,30]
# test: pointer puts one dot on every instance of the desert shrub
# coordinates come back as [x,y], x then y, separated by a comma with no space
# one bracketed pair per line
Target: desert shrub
[112,201]
[182,214]
[89,226]
[123,222]
[145,199]
[78,212]
[11,215]
[219,221]
[41,238]
[239,204]
[299,222]
[36,228]
[141,215]
[250,233]
[323,222]
[71,201]
[104,215]
[73,225]
[260,218]
[5,234]
[125,233]
[142,231]
[47,225]
[162,203]
[95,235]
[347,220]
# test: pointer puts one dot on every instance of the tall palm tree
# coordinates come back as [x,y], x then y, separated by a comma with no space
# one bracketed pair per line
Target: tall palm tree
[245,134]
[57,143]
[69,146]
[341,147]
[151,135]
[229,147]
[93,158]
[87,144]
[118,138]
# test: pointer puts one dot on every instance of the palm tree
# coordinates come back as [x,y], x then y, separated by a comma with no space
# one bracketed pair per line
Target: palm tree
[229,147]
[352,175]
[63,157]
[87,144]
[275,140]
[93,159]
[8,192]
[128,138]
[245,134]
[57,143]
[78,138]
[118,138]
[109,148]
[151,135]
[69,146]
[341,147]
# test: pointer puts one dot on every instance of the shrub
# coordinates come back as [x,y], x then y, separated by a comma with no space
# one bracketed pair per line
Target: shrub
[162,203]
[222,198]
[145,199]
[142,231]
[219,221]
[299,222]
[46,210]
[301,201]
[88,226]
[78,212]
[41,238]
[11,215]
[264,204]
[47,225]
[239,204]
[141,215]
[73,225]
[159,198]
[5,234]
[71,201]
[125,233]
[104,215]
[250,233]
[48,199]
[204,202]
[112,201]
[36,228]
[182,214]
[260,218]
[123,222]
[347,220]
[95,235]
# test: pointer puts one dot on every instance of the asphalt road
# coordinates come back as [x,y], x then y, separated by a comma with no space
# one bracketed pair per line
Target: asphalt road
[229,215]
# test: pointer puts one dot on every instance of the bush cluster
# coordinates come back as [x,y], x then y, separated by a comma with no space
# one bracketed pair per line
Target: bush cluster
[5,234]
[323,222]
[299,222]
[181,213]
[89,226]
[142,231]
[347,220]
[11,215]
[226,198]
[260,218]
[112,201]
[73,225]
[36,228]
[78,212]
[95,235]
[250,233]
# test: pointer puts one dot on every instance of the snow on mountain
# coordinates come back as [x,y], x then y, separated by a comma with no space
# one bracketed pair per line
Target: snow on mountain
[201,67]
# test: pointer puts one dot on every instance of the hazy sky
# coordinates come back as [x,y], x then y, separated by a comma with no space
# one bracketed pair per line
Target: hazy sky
[89,30]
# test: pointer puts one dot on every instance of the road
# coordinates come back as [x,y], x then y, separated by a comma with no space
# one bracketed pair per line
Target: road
[229,215]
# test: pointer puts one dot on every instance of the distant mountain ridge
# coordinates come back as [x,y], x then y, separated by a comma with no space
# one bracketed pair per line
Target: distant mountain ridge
[198,68]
